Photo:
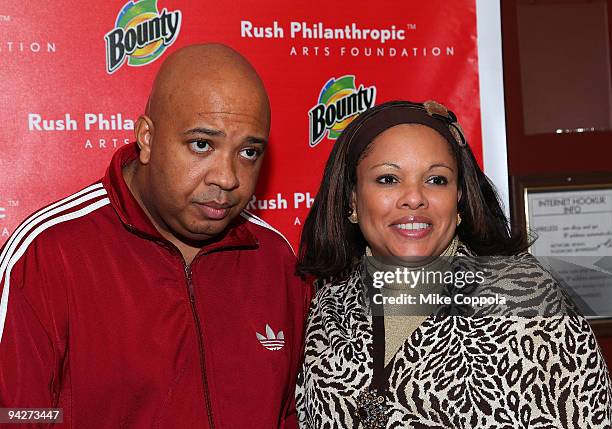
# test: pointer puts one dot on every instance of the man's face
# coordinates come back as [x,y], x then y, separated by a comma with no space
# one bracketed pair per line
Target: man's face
[205,154]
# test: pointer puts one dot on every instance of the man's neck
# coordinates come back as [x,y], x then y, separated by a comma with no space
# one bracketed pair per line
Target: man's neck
[189,252]
[131,177]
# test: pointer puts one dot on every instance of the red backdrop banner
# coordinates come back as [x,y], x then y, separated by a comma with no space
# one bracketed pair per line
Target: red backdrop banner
[74,79]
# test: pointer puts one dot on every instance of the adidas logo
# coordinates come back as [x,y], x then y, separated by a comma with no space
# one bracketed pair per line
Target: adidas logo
[270,340]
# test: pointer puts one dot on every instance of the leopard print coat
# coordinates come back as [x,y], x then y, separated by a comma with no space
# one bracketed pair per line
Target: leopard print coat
[478,371]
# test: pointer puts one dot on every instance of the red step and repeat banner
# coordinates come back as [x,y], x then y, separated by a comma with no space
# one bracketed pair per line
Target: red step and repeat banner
[74,78]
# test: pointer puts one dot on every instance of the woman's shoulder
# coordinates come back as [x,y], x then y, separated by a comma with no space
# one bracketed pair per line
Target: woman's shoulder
[339,290]
[527,287]
[520,265]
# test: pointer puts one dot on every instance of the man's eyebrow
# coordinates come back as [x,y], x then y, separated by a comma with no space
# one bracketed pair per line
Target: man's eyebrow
[207,131]
[218,133]
[256,140]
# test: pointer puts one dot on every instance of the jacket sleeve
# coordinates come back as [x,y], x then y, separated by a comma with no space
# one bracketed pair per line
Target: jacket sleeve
[289,420]
[31,355]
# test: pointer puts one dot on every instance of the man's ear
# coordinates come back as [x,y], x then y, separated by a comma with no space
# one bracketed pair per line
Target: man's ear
[144,136]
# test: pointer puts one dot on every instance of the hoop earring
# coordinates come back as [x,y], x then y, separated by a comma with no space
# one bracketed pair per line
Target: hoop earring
[353,217]
[458,219]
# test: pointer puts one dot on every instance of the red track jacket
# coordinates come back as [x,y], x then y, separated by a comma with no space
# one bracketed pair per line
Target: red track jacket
[100,316]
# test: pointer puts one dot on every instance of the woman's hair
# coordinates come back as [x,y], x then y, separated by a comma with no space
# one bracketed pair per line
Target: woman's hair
[330,244]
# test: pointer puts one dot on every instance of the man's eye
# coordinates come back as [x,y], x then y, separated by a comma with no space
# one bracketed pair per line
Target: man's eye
[200,146]
[250,153]
[437,180]
[386,179]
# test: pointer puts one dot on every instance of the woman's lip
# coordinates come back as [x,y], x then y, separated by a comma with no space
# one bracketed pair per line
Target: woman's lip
[412,219]
[413,227]
[413,234]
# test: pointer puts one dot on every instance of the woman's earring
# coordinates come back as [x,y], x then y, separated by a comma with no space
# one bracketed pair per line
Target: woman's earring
[353,216]
[458,219]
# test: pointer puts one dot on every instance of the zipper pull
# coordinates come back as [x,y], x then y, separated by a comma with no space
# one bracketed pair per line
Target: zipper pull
[189,284]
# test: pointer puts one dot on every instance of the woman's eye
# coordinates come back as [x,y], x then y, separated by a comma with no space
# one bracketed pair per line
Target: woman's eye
[200,146]
[250,153]
[437,180]
[387,180]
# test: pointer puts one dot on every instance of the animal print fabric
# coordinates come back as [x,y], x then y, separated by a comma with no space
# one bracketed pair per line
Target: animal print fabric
[492,370]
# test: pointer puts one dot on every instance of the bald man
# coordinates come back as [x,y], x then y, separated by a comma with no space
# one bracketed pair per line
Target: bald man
[152,299]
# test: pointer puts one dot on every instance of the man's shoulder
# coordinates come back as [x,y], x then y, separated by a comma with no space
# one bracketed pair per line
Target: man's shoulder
[275,256]
[270,240]
[59,221]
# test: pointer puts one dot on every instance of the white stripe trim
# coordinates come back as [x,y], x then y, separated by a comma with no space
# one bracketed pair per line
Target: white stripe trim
[5,269]
[259,221]
[35,216]
[22,232]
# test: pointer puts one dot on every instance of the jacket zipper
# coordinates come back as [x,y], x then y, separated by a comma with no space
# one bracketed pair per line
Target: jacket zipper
[196,320]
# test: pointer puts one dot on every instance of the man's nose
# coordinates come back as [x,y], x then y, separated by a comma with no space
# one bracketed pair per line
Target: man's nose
[223,173]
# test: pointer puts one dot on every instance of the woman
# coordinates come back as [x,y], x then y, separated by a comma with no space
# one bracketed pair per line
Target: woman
[402,186]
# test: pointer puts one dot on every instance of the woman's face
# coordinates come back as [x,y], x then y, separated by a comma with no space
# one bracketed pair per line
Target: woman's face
[407,193]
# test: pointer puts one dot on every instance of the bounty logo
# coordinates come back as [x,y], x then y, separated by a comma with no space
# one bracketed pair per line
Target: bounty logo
[141,34]
[339,103]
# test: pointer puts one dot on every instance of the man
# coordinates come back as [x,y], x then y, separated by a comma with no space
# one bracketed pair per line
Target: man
[151,299]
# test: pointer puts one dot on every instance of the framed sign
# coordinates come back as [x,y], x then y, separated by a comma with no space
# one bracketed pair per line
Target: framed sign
[570,217]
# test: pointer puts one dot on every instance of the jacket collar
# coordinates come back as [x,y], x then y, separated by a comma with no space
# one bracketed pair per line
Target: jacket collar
[135,219]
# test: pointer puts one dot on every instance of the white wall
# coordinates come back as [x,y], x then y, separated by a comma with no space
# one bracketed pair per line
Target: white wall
[490,69]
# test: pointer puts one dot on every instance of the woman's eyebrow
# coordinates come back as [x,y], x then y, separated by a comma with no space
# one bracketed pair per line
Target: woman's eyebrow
[432,166]
[386,164]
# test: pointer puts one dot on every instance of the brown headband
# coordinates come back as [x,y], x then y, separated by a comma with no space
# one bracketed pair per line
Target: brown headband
[430,113]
